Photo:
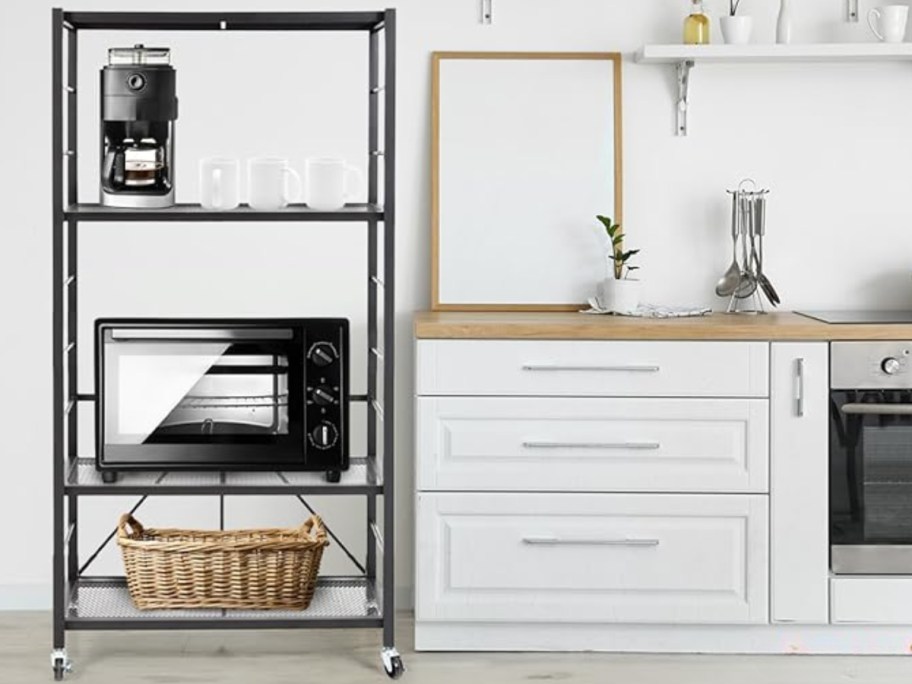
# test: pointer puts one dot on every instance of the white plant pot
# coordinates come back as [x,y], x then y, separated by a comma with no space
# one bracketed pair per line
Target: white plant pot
[619,296]
[737,30]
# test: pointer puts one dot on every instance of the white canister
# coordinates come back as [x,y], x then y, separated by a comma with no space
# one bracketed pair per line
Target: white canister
[220,181]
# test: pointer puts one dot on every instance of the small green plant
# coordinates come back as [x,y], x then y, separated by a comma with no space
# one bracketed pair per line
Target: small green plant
[617,255]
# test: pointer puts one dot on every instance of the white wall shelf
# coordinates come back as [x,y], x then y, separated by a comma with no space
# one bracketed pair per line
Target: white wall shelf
[685,57]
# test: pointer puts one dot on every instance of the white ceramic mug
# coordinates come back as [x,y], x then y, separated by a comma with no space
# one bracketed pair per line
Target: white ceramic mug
[892,20]
[330,183]
[220,183]
[267,183]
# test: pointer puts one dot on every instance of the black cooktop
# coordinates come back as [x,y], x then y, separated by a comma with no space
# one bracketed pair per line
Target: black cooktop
[848,317]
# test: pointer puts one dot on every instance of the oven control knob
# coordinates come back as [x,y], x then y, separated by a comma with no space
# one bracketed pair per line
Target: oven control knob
[323,354]
[891,365]
[323,396]
[324,435]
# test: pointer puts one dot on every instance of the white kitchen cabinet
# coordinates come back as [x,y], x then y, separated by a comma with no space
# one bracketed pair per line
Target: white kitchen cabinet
[592,368]
[595,445]
[799,554]
[631,558]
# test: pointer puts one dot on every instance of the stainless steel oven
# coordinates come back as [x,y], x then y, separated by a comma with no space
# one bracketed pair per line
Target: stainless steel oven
[871,457]
[222,394]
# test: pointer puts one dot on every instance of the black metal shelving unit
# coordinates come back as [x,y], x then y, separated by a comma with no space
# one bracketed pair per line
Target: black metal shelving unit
[84,602]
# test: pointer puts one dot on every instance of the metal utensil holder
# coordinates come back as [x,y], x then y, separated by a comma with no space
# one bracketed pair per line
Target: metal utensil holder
[748,232]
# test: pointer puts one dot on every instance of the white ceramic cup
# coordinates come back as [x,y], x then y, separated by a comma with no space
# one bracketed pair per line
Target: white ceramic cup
[220,183]
[892,20]
[267,183]
[330,183]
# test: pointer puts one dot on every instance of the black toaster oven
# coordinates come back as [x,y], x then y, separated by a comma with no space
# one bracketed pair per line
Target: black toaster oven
[222,394]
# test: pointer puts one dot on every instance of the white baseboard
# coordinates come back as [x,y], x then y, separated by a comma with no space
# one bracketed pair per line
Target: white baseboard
[38,597]
[25,597]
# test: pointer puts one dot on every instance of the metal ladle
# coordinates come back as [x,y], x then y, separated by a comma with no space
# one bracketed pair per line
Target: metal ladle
[730,280]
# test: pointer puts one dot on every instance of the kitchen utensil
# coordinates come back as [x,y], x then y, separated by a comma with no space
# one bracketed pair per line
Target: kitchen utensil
[760,224]
[329,183]
[267,183]
[220,180]
[729,280]
[747,283]
[892,20]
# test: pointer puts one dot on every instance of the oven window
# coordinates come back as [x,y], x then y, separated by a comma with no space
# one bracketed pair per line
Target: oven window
[194,391]
[871,467]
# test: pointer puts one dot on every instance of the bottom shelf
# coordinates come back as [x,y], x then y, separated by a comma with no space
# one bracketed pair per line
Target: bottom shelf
[338,602]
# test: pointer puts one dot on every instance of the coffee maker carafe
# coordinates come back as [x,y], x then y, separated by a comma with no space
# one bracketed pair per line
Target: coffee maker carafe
[138,111]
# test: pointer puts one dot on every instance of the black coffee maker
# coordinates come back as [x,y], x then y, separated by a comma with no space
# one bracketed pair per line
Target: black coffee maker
[138,111]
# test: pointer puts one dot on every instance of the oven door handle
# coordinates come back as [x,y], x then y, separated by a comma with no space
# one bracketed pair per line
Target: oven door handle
[877,409]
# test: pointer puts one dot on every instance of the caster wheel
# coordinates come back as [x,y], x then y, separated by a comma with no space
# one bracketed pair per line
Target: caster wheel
[392,664]
[61,667]
[333,476]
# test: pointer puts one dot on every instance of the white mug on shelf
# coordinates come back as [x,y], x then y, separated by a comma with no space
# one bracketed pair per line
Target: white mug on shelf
[267,183]
[220,180]
[892,20]
[330,183]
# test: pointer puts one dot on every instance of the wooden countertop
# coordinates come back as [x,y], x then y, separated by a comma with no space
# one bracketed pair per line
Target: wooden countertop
[577,326]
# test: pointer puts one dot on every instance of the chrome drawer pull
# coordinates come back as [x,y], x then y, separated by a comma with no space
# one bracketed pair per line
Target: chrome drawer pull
[588,369]
[592,445]
[877,409]
[591,541]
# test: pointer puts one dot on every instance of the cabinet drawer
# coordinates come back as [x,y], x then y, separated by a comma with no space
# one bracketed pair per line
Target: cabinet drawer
[634,558]
[553,368]
[597,445]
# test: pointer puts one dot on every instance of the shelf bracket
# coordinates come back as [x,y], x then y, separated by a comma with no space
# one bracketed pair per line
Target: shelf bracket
[852,11]
[683,71]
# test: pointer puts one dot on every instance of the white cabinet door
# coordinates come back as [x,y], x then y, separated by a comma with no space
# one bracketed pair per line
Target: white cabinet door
[595,445]
[799,544]
[592,368]
[636,558]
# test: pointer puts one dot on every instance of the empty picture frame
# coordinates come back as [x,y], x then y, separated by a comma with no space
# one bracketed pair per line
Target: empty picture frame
[526,151]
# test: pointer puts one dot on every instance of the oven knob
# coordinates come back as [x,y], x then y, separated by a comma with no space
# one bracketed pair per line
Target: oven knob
[323,396]
[324,435]
[323,354]
[891,365]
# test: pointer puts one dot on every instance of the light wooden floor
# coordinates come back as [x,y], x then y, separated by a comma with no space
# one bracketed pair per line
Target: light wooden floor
[352,657]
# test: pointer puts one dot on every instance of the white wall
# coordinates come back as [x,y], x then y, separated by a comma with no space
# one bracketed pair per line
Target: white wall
[832,141]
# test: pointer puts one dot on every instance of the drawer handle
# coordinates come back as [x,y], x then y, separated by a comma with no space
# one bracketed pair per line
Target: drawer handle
[592,445]
[590,369]
[588,541]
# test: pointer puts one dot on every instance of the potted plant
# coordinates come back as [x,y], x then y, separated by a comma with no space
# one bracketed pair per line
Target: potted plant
[618,293]
[736,30]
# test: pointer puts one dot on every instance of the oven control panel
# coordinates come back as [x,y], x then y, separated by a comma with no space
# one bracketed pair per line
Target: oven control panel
[871,365]
[326,392]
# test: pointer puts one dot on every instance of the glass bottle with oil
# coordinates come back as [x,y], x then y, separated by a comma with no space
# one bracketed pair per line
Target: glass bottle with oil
[696,25]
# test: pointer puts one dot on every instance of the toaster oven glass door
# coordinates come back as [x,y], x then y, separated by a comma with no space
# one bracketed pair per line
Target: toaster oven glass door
[170,394]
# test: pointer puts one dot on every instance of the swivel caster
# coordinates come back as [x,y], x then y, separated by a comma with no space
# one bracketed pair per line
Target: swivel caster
[392,663]
[61,664]
[333,476]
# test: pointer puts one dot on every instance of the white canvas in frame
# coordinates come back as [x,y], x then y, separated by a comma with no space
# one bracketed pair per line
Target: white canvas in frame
[526,153]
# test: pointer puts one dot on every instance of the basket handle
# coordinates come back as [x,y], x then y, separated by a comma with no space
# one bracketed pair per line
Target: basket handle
[307,528]
[129,527]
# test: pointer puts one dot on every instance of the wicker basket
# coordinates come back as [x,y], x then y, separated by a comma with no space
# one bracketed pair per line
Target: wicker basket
[270,569]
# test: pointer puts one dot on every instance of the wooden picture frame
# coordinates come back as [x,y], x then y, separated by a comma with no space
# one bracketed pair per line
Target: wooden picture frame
[613,126]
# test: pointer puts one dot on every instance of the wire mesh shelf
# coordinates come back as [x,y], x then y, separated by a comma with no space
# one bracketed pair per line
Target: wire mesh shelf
[338,601]
[360,478]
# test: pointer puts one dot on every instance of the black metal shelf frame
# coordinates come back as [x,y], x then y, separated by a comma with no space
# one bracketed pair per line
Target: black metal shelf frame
[82,602]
